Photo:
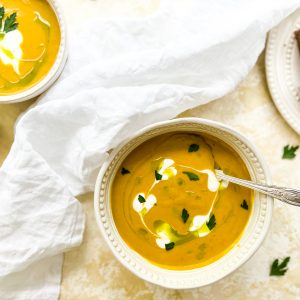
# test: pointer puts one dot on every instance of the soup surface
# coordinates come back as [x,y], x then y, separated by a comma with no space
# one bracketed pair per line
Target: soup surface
[170,208]
[29,43]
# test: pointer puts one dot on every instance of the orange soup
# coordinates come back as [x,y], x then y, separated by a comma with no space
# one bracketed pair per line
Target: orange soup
[169,207]
[29,43]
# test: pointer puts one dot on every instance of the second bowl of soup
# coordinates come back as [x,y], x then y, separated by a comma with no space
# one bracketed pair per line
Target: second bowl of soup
[32,47]
[163,211]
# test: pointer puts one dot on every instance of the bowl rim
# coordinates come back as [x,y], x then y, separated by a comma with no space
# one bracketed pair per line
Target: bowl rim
[56,69]
[131,266]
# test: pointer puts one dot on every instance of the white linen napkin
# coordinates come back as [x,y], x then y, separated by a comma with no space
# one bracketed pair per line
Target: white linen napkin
[122,74]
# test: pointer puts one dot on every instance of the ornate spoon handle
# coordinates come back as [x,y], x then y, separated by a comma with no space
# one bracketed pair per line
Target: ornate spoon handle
[288,195]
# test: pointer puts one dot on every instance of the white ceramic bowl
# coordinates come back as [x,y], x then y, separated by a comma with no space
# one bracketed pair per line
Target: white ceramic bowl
[252,237]
[54,72]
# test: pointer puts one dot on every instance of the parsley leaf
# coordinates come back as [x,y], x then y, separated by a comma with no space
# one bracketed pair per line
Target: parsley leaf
[158,176]
[184,215]
[141,199]
[193,148]
[191,176]
[1,15]
[10,23]
[289,152]
[279,269]
[244,205]
[169,246]
[124,171]
[211,223]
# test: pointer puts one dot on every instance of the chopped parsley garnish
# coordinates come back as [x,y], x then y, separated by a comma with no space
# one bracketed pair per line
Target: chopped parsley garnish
[289,152]
[191,176]
[244,205]
[141,199]
[279,269]
[169,246]
[184,215]
[124,171]
[193,148]
[2,12]
[157,175]
[10,23]
[212,222]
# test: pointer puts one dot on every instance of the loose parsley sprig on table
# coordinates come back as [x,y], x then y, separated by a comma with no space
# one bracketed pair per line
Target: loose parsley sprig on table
[289,152]
[279,269]
[7,23]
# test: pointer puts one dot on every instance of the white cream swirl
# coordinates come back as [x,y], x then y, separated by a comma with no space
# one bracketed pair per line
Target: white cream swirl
[143,207]
[10,49]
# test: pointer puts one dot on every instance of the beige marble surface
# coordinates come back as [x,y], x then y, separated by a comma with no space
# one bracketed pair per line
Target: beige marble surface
[90,271]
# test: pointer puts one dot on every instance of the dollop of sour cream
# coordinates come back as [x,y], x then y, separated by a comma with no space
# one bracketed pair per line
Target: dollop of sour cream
[162,240]
[197,222]
[212,181]
[166,169]
[199,225]
[10,49]
[144,207]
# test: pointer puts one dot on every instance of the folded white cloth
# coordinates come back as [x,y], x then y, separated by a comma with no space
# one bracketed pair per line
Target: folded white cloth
[122,74]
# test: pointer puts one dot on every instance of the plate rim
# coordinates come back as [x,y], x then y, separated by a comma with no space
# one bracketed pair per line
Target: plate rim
[270,65]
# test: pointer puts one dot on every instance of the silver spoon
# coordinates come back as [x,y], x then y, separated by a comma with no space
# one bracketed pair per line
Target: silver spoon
[287,195]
